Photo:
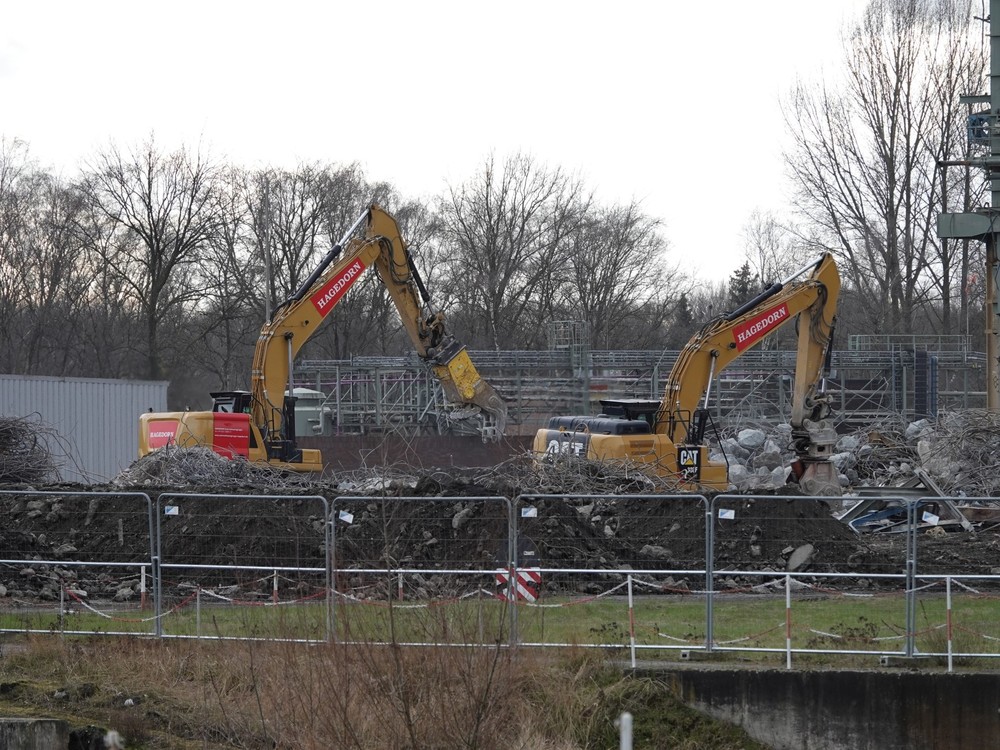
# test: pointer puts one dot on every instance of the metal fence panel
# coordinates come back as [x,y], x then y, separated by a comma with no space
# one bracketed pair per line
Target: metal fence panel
[758,574]
[243,566]
[956,579]
[813,581]
[70,551]
[420,569]
[634,562]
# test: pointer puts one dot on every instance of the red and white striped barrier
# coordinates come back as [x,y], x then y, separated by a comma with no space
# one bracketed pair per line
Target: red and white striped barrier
[529,584]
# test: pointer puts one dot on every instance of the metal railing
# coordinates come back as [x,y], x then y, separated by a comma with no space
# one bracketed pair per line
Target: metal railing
[399,394]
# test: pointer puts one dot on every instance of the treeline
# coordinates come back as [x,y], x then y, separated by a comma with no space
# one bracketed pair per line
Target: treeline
[164,264]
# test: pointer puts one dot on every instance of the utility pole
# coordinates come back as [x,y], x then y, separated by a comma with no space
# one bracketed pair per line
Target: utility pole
[985,224]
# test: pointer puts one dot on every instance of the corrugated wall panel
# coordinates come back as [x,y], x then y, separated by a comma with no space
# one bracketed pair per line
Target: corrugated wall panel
[97,420]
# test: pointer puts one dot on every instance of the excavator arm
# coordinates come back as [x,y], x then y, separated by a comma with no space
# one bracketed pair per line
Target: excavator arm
[669,436]
[298,317]
[808,296]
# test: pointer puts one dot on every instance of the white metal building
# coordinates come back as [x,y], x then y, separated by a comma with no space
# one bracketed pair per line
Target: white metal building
[97,420]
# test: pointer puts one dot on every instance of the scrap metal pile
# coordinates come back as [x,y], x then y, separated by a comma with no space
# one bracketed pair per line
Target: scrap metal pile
[957,450]
[25,453]
[960,451]
[202,467]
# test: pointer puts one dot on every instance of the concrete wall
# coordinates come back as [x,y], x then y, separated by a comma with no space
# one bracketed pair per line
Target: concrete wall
[97,419]
[33,734]
[836,710]
[351,452]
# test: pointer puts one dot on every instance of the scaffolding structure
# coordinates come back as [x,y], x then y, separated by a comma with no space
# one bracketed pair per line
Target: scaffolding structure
[400,395]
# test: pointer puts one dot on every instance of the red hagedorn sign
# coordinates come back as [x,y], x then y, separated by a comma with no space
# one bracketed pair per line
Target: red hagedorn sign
[330,293]
[756,328]
[161,432]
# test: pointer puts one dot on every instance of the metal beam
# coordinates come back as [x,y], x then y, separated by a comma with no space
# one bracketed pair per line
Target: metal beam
[984,225]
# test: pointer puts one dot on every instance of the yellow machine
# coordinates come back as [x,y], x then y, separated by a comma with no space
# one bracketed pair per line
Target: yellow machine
[260,424]
[668,436]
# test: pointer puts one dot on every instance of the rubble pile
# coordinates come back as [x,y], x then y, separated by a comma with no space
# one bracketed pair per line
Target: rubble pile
[958,451]
[460,519]
[45,582]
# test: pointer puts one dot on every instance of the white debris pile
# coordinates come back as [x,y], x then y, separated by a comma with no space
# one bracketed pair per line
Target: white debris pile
[202,467]
[758,456]
[958,451]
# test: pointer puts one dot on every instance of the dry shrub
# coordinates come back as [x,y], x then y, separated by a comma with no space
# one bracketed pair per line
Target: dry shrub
[294,695]
[391,696]
[257,694]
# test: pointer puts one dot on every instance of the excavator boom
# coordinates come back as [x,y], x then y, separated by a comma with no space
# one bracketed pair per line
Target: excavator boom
[670,436]
[269,404]
[294,321]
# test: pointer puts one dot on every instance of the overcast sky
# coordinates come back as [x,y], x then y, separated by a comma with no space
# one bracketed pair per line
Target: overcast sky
[674,104]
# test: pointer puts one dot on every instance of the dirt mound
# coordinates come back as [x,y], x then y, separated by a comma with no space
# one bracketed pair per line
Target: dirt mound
[454,520]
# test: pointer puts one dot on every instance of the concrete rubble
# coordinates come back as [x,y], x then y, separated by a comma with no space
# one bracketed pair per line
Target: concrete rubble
[958,451]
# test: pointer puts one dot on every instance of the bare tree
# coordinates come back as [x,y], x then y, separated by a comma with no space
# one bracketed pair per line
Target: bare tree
[56,274]
[15,164]
[161,209]
[227,318]
[286,210]
[508,229]
[864,156]
[617,274]
[773,249]
[44,272]
[961,71]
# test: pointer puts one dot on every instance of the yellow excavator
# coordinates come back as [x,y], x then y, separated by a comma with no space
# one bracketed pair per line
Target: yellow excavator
[668,436]
[259,424]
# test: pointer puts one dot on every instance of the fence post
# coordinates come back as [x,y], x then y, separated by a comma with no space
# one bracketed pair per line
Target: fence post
[631,619]
[624,723]
[911,577]
[788,621]
[947,584]
[331,594]
[479,615]
[157,597]
[62,607]
[274,589]
[142,588]
[709,574]
[512,571]
[327,580]
[197,612]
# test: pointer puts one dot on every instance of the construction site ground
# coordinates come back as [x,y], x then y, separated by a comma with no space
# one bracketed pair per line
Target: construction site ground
[259,534]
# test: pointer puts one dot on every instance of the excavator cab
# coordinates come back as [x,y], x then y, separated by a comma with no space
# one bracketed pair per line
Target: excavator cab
[231,402]
[631,408]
